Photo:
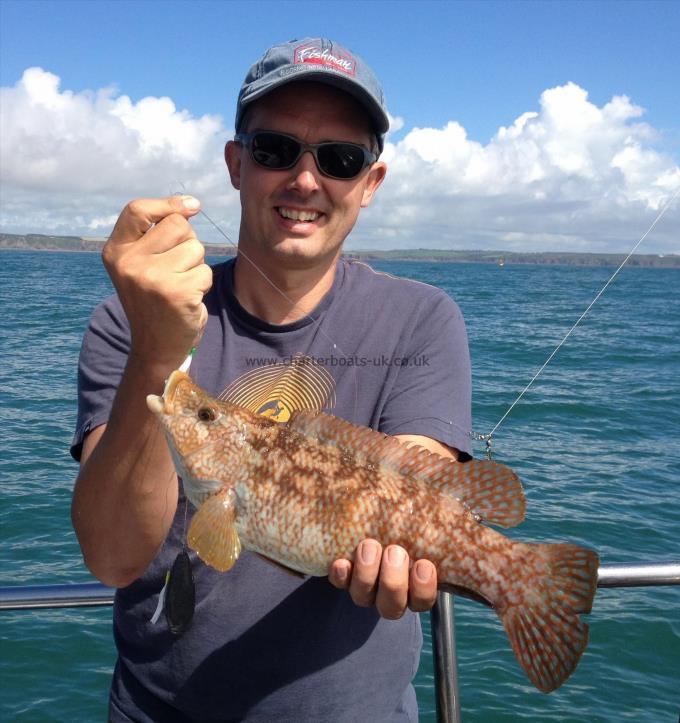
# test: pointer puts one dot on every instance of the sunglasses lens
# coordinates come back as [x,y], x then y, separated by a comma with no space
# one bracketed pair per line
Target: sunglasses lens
[272,150]
[341,160]
[279,152]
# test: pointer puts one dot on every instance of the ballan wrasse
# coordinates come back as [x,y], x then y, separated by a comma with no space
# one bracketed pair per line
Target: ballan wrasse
[305,492]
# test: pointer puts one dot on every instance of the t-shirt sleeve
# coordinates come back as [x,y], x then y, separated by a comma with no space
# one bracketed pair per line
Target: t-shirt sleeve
[103,356]
[432,392]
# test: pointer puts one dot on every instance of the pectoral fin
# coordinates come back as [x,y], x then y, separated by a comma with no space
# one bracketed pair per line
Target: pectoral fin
[212,533]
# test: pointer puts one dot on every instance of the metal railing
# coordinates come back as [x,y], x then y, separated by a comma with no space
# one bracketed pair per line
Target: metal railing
[74,595]
[33,597]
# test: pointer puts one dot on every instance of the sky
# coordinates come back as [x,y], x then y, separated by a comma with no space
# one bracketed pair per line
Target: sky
[517,126]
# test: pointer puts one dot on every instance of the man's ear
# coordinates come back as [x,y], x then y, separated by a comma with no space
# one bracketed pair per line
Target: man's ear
[232,157]
[375,177]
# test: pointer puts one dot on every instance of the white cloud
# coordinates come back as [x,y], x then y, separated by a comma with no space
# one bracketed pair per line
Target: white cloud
[102,222]
[70,161]
[569,174]
[396,123]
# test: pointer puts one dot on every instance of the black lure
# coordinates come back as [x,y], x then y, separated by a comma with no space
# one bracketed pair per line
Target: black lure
[180,595]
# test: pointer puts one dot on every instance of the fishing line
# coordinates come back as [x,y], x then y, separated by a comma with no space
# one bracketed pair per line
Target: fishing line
[487,437]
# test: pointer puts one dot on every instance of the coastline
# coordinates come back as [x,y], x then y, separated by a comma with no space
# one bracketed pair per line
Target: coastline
[42,242]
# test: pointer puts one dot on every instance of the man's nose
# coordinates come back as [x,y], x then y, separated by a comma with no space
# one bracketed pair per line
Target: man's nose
[305,174]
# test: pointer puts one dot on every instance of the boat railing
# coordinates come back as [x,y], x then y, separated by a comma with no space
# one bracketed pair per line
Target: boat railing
[93,594]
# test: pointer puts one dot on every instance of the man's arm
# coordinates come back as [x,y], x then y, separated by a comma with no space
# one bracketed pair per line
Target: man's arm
[385,578]
[126,491]
[125,495]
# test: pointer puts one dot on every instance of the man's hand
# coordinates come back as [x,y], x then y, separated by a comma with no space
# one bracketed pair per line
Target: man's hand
[156,264]
[385,579]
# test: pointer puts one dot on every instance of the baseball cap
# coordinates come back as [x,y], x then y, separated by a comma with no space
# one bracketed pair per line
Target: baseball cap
[320,60]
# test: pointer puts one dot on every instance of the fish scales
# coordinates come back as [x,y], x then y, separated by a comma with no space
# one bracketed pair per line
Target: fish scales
[305,506]
[324,486]
[304,493]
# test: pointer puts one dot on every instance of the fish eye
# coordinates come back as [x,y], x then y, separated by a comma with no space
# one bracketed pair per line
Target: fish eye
[207,414]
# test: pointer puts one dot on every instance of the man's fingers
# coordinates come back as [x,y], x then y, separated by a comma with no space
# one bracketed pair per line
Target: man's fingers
[383,578]
[202,321]
[392,595]
[340,573]
[140,215]
[363,586]
[168,233]
[203,278]
[186,255]
[422,586]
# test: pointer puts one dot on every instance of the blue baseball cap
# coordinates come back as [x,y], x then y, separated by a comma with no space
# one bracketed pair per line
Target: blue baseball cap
[320,60]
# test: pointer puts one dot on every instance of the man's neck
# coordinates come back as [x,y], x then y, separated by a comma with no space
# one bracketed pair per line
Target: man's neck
[281,295]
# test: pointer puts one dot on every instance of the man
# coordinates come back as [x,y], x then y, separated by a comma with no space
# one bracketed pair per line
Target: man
[264,645]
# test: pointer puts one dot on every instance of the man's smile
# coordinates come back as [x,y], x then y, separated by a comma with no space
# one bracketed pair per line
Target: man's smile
[295,214]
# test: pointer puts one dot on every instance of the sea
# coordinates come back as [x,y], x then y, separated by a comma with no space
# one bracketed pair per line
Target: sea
[595,441]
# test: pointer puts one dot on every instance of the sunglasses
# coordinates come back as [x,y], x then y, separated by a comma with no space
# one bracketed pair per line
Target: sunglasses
[279,152]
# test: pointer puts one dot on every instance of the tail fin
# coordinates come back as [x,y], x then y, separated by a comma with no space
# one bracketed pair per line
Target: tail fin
[546,632]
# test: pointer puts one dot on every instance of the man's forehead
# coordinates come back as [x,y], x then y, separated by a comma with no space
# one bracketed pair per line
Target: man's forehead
[309,101]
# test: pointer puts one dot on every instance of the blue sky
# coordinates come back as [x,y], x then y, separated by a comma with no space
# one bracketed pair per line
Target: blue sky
[482,63]
[478,64]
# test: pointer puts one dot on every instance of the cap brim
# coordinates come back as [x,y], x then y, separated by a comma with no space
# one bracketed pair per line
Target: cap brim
[379,118]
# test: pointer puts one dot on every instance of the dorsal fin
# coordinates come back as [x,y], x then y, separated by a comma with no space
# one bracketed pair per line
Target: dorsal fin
[490,490]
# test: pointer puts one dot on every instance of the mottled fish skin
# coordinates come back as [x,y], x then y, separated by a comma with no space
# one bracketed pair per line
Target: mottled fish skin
[306,492]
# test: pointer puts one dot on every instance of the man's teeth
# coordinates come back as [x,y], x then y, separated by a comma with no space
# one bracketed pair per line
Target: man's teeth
[294,215]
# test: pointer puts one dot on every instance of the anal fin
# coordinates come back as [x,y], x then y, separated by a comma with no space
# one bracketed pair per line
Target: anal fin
[212,533]
[463,592]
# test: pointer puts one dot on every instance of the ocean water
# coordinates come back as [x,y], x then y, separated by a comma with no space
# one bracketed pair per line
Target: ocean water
[596,442]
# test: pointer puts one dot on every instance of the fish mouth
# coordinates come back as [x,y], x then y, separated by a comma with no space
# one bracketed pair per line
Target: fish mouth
[164,404]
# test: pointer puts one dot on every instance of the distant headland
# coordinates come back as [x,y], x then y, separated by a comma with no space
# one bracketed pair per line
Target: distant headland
[41,242]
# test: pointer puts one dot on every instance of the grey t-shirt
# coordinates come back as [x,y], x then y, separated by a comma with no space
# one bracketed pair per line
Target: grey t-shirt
[265,645]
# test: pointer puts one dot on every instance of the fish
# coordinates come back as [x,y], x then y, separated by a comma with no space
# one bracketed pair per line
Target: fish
[305,492]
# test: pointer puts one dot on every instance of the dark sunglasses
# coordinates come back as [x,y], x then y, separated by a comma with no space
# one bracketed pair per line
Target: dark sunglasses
[279,152]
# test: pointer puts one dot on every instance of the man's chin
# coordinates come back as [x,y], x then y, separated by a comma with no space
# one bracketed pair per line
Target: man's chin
[303,253]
